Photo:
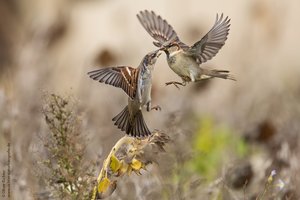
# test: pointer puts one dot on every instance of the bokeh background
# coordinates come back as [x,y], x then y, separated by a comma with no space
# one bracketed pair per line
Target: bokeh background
[220,129]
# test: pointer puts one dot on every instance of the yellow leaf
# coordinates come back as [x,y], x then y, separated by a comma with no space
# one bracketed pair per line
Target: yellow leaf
[136,164]
[129,170]
[123,169]
[114,163]
[103,185]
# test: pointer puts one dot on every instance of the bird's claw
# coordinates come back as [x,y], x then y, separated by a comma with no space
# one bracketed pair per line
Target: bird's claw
[156,108]
[175,84]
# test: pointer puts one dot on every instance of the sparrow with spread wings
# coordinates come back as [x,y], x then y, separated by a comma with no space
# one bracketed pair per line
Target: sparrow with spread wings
[137,83]
[181,58]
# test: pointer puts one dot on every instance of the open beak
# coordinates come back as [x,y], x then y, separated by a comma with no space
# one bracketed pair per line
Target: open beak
[163,48]
[157,53]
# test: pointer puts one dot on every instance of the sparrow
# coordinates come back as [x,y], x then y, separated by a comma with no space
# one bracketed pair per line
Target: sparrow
[182,59]
[137,83]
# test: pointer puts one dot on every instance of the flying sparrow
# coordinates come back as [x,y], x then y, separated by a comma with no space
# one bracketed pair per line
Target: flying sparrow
[137,83]
[181,58]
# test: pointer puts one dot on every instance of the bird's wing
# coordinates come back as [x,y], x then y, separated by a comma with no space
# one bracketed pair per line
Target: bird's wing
[212,42]
[158,28]
[122,77]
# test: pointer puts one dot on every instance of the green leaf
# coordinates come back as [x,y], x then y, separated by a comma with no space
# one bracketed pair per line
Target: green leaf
[210,144]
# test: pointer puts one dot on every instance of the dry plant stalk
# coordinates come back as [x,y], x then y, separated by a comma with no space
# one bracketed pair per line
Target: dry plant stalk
[128,155]
[67,174]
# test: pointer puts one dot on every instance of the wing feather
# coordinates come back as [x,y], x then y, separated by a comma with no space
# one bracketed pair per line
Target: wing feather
[121,77]
[159,29]
[212,42]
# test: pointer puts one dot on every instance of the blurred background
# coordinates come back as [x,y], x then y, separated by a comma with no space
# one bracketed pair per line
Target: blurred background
[223,132]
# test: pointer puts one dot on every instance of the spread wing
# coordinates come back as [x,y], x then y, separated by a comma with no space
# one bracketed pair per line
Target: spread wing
[212,42]
[158,28]
[121,77]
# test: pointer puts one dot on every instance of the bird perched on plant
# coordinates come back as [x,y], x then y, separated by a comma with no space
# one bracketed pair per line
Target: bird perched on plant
[137,83]
[182,59]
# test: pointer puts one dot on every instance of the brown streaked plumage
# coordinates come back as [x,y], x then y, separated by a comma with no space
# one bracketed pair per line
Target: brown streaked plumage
[123,77]
[137,83]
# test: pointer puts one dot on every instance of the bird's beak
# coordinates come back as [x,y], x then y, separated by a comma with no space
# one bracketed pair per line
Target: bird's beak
[158,54]
[163,48]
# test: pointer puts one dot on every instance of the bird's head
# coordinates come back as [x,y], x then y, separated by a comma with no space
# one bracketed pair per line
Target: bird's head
[170,47]
[150,59]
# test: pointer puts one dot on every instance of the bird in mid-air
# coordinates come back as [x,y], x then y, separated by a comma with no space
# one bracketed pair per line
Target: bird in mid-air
[137,83]
[183,59]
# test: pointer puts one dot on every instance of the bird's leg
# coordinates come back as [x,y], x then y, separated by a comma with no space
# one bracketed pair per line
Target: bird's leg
[157,107]
[149,106]
[175,83]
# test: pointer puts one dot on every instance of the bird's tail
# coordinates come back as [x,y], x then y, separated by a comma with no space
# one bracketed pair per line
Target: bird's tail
[134,126]
[217,73]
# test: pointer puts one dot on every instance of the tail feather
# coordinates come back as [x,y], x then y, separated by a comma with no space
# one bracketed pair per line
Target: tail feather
[121,120]
[136,127]
[140,129]
[219,74]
